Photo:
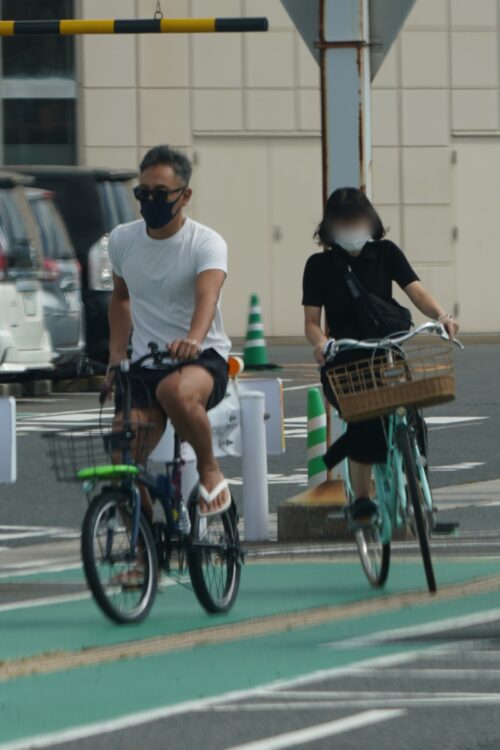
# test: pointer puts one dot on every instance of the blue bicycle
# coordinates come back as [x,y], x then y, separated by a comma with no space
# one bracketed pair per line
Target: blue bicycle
[123,550]
[393,382]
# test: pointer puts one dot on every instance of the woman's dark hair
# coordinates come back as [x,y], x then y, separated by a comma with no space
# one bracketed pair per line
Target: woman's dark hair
[348,204]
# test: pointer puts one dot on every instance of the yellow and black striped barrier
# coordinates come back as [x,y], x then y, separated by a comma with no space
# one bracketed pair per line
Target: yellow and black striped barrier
[70,27]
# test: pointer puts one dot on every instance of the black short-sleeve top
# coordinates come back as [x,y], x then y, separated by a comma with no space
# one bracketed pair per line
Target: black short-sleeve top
[379,264]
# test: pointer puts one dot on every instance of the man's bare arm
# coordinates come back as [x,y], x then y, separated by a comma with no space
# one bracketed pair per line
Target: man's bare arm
[207,293]
[120,321]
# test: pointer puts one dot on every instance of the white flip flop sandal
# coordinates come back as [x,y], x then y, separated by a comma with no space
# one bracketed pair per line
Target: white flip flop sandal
[209,498]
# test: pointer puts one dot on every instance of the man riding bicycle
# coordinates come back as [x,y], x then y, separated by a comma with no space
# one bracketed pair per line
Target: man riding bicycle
[168,272]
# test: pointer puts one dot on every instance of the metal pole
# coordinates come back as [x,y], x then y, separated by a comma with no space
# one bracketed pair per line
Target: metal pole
[133,26]
[345,94]
[346,113]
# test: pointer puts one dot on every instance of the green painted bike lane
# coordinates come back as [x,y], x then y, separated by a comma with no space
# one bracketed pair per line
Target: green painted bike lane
[265,590]
[52,702]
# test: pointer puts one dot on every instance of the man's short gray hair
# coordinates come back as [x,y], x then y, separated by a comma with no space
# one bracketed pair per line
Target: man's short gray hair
[179,162]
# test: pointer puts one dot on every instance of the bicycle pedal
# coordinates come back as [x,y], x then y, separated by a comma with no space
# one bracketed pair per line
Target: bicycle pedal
[364,523]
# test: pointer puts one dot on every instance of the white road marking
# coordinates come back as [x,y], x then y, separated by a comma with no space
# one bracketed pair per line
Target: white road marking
[474,655]
[452,420]
[429,628]
[398,701]
[53,421]
[320,731]
[297,479]
[386,695]
[465,466]
[26,535]
[301,387]
[44,602]
[35,569]
[12,533]
[452,673]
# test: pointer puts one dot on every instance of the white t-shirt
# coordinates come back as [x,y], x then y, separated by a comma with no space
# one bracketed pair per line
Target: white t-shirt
[161,278]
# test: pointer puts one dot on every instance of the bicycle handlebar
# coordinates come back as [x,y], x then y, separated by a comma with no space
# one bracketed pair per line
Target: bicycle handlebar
[157,357]
[333,346]
[87,367]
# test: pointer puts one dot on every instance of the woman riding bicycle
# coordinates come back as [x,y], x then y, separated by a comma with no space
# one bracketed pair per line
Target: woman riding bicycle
[353,237]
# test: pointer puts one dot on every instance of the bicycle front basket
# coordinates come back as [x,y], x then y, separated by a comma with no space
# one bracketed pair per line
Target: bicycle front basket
[370,388]
[96,450]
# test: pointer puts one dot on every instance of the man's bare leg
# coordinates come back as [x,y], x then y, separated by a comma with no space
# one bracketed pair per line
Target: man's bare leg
[183,395]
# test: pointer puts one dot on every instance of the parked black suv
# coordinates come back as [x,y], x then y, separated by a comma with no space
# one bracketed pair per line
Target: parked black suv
[92,203]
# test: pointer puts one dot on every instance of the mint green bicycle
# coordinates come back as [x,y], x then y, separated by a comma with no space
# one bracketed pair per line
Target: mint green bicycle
[393,382]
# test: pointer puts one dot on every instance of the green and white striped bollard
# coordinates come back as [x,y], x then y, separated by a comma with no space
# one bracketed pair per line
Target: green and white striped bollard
[316,437]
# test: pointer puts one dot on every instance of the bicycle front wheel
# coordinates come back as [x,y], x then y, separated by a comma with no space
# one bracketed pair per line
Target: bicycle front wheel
[122,579]
[375,555]
[414,490]
[214,559]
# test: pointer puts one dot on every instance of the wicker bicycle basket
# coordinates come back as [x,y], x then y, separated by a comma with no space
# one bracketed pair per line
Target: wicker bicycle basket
[370,388]
[70,451]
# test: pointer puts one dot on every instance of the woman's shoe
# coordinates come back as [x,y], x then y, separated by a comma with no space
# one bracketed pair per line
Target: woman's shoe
[363,510]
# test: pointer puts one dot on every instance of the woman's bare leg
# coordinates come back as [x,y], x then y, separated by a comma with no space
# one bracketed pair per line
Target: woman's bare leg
[361,478]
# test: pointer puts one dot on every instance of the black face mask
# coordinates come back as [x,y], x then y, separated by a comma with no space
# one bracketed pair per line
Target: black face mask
[157,215]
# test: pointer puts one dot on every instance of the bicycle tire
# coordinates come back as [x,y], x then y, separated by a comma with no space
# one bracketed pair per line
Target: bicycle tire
[417,501]
[376,570]
[196,556]
[113,499]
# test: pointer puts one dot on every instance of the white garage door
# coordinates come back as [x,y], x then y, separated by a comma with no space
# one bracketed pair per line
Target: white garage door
[477,196]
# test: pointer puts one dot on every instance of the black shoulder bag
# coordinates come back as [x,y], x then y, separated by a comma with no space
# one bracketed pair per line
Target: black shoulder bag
[377,317]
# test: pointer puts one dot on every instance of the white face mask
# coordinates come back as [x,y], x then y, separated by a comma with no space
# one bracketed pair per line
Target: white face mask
[352,241]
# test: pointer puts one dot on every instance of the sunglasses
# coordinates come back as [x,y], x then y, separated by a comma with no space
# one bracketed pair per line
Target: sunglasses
[158,194]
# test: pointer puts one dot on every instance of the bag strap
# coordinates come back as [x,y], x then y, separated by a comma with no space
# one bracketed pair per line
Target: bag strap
[353,284]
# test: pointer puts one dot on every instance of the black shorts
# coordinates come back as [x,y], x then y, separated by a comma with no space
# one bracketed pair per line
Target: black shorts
[145,382]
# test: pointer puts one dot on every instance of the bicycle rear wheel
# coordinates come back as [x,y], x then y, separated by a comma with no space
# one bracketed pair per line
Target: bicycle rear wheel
[420,516]
[214,559]
[122,582]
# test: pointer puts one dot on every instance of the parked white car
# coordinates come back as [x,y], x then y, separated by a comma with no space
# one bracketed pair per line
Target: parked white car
[24,341]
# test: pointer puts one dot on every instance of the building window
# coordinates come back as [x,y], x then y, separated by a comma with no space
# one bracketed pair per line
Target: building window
[38,56]
[39,131]
[38,85]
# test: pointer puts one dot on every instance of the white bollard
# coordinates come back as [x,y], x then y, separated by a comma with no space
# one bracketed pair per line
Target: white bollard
[8,454]
[254,466]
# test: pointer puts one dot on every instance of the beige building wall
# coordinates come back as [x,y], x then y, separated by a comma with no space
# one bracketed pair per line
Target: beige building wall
[247,109]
